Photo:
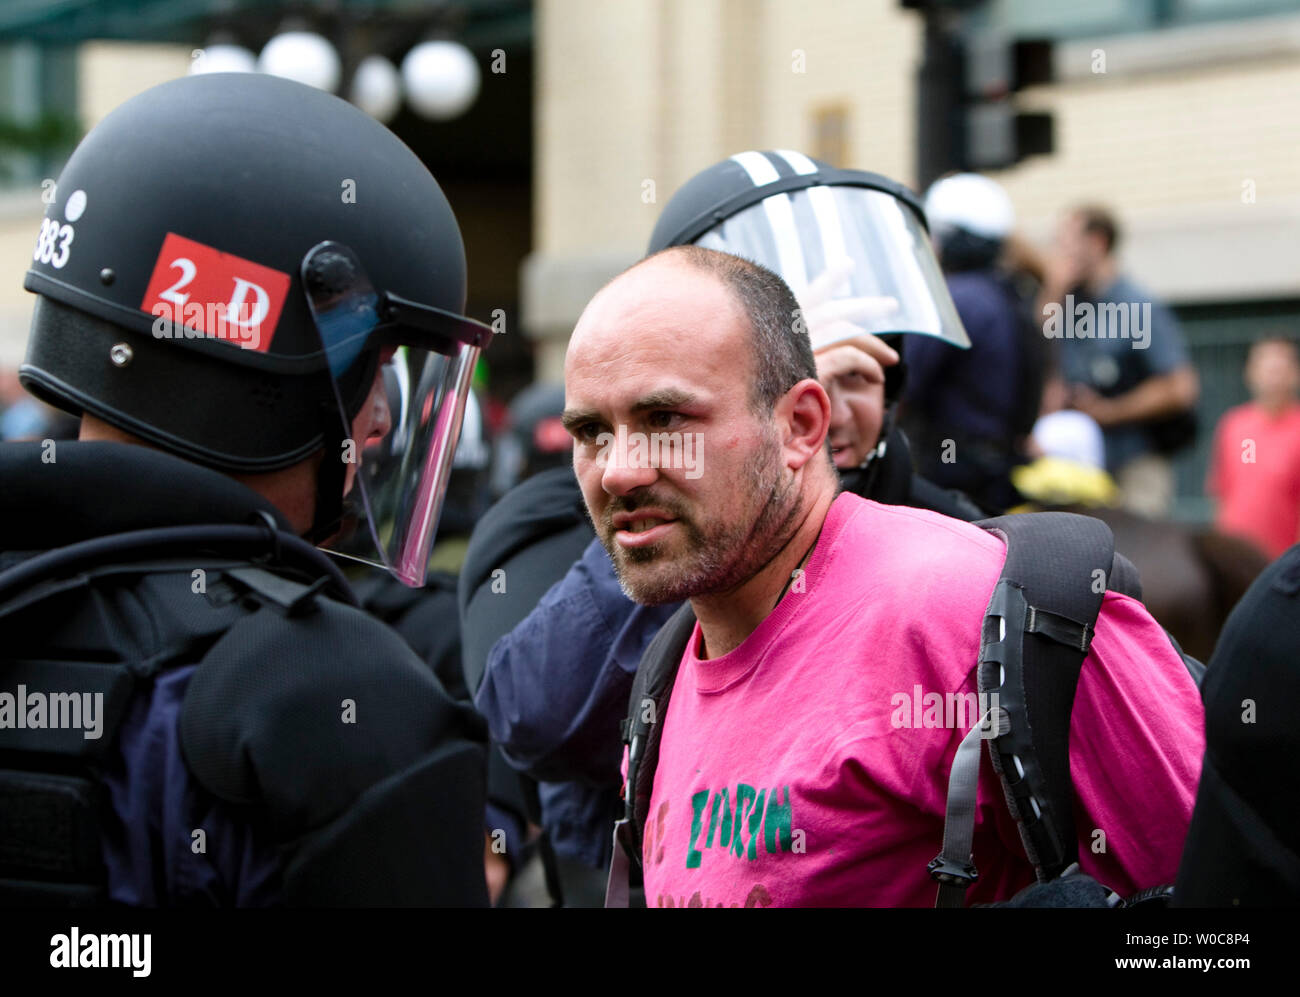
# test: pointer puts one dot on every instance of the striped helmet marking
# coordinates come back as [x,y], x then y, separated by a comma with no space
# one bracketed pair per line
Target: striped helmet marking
[822,199]
[800,163]
[757,166]
[780,218]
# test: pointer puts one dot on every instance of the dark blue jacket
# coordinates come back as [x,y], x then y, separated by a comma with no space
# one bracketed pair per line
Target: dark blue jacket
[972,392]
[156,806]
[562,724]
[555,690]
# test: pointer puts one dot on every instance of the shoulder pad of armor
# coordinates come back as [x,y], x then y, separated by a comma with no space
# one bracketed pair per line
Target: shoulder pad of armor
[304,712]
[370,777]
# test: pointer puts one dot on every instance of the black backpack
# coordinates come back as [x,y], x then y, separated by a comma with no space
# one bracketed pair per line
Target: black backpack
[1049,599]
[52,798]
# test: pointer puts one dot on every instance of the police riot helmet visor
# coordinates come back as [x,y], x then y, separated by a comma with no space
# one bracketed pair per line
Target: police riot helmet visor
[857,258]
[400,373]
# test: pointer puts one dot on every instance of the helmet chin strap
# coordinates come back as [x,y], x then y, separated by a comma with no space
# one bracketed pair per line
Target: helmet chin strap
[330,477]
[895,380]
[870,465]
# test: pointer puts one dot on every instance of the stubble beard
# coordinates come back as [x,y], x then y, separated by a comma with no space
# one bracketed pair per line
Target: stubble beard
[718,556]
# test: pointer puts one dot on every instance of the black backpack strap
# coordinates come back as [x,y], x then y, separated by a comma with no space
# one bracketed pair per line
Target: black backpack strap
[1036,633]
[1124,577]
[134,547]
[647,704]
[288,597]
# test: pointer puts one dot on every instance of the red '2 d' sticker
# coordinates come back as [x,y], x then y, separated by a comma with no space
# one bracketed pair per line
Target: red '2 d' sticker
[197,290]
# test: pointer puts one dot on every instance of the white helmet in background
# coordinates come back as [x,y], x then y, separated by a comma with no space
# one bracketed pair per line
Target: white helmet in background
[972,203]
[970,216]
[1071,435]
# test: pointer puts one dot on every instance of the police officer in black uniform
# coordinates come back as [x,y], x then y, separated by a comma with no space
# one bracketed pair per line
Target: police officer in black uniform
[193,710]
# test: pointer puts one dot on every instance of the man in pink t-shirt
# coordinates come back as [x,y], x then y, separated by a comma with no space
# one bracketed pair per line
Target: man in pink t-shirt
[805,752]
[1255,464]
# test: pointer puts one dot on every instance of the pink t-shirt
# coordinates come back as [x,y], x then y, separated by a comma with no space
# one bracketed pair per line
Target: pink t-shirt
[809,767]
[1255,474]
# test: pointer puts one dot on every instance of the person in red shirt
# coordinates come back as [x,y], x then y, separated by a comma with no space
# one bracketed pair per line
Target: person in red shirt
[1255,466]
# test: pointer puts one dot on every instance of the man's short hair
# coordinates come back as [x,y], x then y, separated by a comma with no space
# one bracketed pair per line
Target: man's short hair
[1097,220]
[1277,339]
[782,350]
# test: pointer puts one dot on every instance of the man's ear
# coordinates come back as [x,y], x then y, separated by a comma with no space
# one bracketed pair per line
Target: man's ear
[803,418]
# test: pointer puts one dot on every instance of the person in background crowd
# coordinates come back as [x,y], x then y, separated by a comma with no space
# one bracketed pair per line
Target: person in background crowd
[969,412]
[533,439]
[1255,465]
[1123,359]
[1070,466]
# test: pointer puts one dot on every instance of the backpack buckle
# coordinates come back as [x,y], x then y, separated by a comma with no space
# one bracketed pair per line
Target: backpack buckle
[945,870]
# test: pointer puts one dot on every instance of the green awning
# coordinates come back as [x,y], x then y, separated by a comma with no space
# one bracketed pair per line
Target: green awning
[481,23]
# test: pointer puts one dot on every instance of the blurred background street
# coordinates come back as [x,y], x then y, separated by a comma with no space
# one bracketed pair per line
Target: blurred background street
[577,120]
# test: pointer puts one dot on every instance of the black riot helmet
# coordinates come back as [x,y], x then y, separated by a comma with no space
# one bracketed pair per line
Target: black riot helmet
[852,245]
[227,260]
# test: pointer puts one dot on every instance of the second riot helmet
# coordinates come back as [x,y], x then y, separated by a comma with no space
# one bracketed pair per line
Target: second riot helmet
[852,245]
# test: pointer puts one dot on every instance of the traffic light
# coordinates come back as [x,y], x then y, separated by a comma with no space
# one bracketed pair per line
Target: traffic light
[996,133]
[968,114]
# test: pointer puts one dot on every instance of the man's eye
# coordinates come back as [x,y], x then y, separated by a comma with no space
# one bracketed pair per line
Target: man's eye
[662,420]
[853,379]
[586,433]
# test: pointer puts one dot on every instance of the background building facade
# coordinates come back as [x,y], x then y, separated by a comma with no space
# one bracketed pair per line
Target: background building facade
[1181,115]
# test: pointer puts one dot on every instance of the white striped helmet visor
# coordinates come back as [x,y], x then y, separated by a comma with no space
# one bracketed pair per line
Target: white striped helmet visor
[858,259]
